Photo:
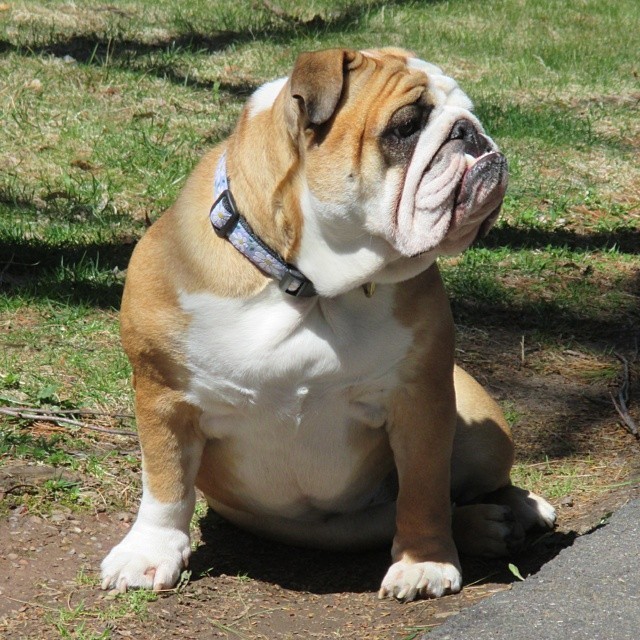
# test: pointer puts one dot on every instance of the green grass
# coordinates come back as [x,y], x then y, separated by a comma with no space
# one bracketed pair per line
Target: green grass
[83,622]
[562,478]
[106,107]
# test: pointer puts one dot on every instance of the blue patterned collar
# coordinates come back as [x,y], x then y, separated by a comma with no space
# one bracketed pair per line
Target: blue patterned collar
[229,224]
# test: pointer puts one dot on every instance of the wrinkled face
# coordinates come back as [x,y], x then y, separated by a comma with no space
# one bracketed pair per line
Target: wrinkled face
[396,170]
[453,178]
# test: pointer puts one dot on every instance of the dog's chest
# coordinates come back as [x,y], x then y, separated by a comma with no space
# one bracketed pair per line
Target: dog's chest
[274,356]
[295,392]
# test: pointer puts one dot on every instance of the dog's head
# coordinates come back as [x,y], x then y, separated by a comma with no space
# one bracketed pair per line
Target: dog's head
[390,166]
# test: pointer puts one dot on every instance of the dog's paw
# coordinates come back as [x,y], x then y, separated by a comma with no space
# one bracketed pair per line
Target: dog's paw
[149,557]
[489,530]
[405,581]
[540,513]
[529,509]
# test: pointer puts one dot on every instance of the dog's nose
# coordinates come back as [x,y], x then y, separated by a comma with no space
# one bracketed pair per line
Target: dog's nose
[475,143]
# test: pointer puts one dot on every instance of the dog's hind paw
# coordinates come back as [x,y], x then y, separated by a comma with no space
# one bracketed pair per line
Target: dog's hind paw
[406,581]
[529,509]
[489,530]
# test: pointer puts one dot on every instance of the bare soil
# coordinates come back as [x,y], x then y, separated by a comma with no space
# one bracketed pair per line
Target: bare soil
[243,587]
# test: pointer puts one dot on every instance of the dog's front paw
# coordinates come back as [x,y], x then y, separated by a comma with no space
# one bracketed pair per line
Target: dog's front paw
[406,580]
[149,557]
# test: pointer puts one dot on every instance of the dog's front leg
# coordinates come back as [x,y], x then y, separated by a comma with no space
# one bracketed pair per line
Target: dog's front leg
[421,433]
[157,547]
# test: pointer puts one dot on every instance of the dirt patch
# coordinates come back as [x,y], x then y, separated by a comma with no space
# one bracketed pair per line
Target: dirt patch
[241,586]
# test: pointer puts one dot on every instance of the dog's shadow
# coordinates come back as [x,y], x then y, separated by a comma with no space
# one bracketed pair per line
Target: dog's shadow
[226,550]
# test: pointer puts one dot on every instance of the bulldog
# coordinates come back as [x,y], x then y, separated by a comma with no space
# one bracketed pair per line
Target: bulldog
[292,343]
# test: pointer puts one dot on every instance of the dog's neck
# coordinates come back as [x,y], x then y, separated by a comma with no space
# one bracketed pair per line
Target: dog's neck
[230,224]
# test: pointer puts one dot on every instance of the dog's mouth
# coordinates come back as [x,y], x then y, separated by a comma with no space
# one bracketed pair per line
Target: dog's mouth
[459,193]
[480,193]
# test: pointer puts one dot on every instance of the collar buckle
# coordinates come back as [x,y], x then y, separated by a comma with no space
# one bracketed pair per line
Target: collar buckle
[224,227]
[296,284]
[229,225]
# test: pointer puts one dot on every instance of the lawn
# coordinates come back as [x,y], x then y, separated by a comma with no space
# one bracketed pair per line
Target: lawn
[106,107]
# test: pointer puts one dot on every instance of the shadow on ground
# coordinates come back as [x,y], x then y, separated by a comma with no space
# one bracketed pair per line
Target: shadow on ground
[227,550]
[100,50]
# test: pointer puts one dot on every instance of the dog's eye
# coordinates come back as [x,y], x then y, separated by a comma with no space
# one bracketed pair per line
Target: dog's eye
[407,121]
[401,134]
[407,129]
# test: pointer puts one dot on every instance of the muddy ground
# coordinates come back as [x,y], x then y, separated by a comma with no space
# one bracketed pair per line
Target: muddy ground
[244,587]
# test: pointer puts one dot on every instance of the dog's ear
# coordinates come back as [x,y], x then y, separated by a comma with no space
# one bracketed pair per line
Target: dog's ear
[316,84]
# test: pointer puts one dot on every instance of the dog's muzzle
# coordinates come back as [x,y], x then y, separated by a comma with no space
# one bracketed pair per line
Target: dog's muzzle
[481,190]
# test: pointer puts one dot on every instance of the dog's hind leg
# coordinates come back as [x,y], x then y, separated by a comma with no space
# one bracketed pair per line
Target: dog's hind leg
[491,516]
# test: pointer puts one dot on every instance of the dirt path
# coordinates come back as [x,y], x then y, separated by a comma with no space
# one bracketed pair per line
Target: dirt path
[244,587]
[240,587]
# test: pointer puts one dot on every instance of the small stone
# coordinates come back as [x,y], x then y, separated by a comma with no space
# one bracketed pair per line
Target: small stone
[12,556]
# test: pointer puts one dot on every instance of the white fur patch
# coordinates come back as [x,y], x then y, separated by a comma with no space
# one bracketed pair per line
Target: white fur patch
[405,580]
[447,91]
[264,97]
[156,548]
[301,382]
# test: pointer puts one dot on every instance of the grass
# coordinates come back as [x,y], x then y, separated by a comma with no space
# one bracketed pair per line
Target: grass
[105,108]
[97,623]
[557,479]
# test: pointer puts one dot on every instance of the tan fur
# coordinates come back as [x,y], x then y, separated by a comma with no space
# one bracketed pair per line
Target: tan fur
[423,423]
[438,454]
[483,448]
[180,252]
[223,486]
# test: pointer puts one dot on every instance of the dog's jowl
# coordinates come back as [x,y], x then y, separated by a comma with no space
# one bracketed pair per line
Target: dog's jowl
[292,343]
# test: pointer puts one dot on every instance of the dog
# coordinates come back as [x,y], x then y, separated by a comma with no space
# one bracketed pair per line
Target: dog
[292,344]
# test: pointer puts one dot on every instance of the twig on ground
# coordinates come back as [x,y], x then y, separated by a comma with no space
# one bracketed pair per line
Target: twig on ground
[15,487]
[28,604]
[75,412]
[28,414]
[620,403]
